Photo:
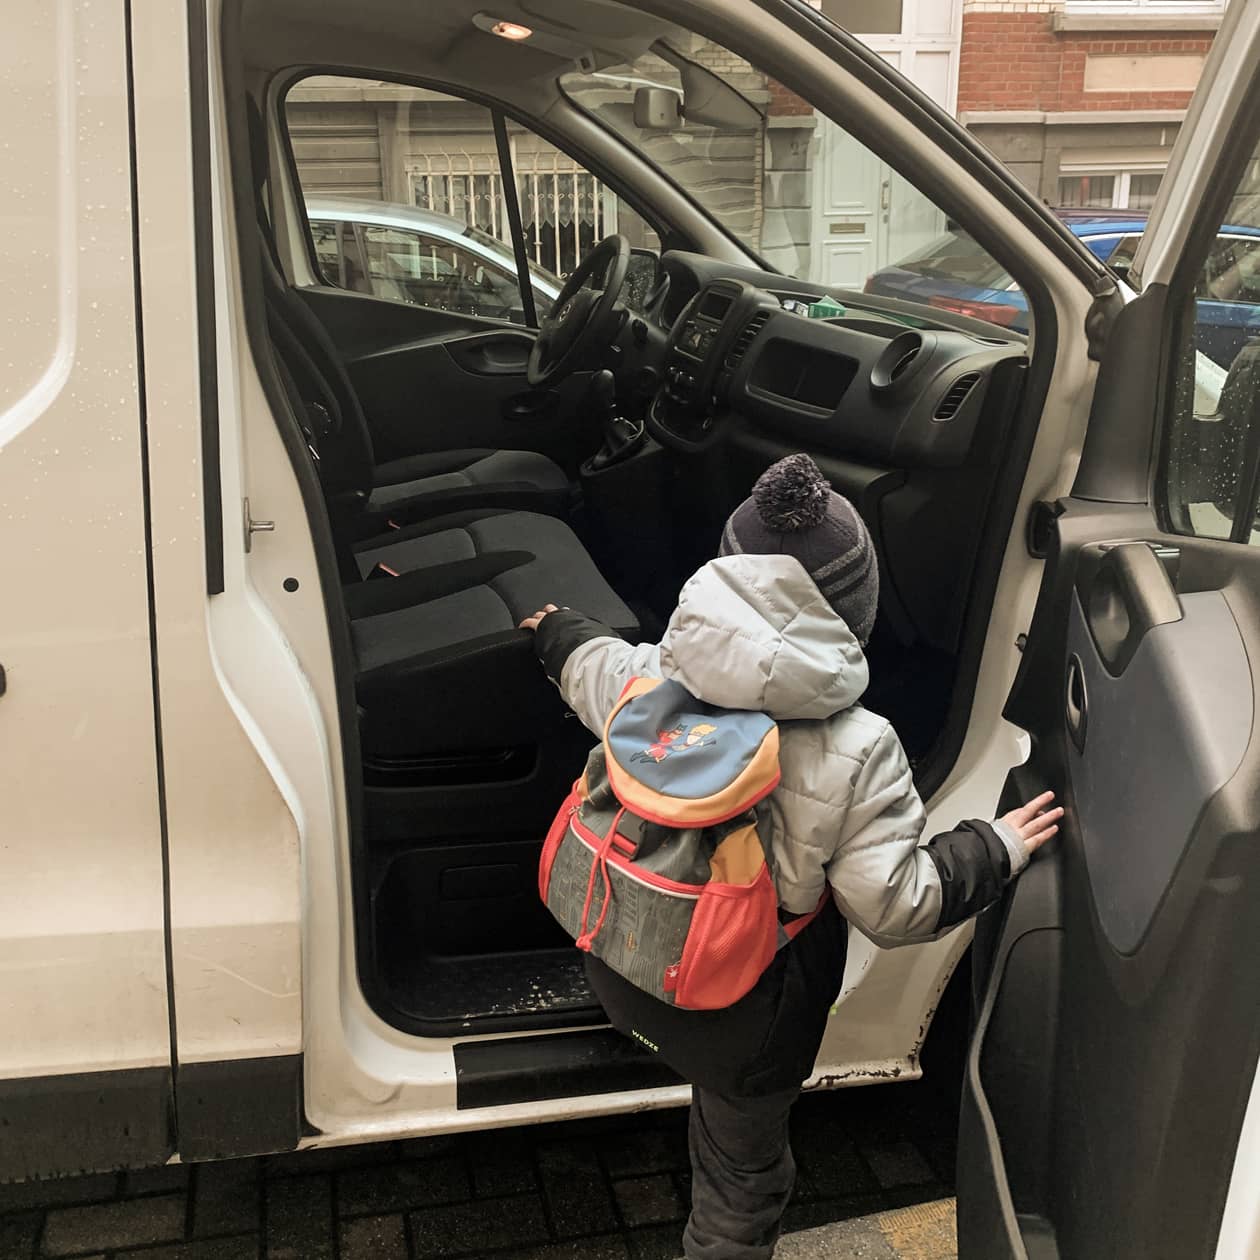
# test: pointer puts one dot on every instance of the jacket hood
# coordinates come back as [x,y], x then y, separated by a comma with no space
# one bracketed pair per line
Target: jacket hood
[754,632]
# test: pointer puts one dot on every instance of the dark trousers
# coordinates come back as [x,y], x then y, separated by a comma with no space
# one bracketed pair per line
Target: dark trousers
[742,1173]
[746,1064]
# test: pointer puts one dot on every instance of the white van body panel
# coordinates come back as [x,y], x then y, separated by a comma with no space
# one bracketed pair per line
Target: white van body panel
[235,885]
[83,978]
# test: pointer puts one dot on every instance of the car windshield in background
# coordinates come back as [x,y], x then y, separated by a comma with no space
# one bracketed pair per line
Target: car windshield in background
[1232,271]
[956,256]
[536,270]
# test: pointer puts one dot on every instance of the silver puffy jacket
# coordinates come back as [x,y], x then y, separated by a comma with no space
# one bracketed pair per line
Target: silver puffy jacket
[753,632]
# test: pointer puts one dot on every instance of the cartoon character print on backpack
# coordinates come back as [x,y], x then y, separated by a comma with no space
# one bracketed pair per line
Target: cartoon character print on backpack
[677,740]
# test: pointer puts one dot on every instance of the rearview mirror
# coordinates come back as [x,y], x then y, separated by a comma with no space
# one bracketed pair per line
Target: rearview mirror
[707,100]
[657,109]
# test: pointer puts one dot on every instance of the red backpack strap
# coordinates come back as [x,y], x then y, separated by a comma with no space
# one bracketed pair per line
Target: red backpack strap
[795,927]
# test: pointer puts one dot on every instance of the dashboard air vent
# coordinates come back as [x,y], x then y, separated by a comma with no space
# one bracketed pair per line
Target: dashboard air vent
[902,365]
[956,395]
[900,360]
[746,338]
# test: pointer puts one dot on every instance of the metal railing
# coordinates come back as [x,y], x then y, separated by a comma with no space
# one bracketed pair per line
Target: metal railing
[564,209]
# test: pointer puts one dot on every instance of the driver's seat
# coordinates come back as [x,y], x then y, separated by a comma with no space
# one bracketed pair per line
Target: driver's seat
[448,481]
[416,487]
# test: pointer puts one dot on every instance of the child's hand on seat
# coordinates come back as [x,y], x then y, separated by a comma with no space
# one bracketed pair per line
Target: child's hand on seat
[1035,822]
[531,623]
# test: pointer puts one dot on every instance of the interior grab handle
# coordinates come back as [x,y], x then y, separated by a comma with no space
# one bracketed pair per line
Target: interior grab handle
[1127,596]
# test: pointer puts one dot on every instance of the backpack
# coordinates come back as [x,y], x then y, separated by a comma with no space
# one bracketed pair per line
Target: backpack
[654,863]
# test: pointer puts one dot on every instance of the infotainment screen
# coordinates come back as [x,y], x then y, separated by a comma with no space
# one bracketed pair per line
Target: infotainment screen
[714,305]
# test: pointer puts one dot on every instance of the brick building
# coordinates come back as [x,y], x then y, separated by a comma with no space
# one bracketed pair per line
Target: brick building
[1083,100]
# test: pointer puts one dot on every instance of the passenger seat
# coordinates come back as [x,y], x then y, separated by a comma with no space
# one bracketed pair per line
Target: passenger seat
[442,666]
[434,606]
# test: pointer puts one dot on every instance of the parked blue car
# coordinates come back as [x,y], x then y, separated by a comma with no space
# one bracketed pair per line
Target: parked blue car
[954,273]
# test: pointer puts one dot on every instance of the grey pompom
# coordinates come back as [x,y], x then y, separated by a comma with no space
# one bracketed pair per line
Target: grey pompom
[791,495]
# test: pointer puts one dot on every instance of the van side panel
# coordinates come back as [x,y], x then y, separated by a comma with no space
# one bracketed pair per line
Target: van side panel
[235,862]
[83,986]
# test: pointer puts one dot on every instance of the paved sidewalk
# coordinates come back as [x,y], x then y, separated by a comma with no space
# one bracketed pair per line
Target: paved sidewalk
[923,1232]
[613,1189]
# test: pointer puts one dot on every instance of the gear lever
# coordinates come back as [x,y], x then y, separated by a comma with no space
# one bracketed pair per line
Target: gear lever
[622,437]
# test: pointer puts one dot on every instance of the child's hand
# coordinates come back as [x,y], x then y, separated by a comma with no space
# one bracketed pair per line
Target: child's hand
[1035,822]
[531,623]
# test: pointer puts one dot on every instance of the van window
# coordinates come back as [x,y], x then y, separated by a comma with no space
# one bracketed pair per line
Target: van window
[1209,480]
[410,177]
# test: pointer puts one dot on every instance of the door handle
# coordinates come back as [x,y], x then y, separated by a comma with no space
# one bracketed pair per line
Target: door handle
[1076,702]
[1128,594]
[492,353]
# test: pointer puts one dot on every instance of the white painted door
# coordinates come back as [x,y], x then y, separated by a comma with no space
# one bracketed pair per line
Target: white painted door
[926,48]
[848,219]
[865,214]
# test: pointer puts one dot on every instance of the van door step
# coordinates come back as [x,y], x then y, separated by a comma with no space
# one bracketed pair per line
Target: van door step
[446,996]
[564,1065]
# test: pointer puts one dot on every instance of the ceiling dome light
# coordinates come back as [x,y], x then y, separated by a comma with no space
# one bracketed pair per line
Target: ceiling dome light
[511,30]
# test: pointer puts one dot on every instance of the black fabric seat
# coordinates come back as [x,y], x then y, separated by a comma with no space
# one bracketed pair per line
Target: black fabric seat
[447,480]
[442,665]
[414,488]
[443,672]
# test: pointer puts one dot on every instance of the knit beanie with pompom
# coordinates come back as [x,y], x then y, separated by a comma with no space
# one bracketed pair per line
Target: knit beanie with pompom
[792,511]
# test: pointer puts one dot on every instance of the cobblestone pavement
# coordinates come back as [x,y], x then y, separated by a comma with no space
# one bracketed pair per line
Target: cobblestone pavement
[586,1190]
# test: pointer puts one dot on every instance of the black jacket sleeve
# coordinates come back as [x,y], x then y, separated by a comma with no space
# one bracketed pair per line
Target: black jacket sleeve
[973,866]
[560,634]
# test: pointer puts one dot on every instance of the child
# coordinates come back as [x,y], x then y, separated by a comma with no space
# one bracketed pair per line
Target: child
[776,624]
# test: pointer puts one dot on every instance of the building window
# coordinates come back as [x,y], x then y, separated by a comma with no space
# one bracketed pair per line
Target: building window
[1088,189]
[1150,7]
[865,17]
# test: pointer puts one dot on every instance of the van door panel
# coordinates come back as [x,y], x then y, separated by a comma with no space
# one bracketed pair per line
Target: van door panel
[83,984]
[1118,1027]
[440,380]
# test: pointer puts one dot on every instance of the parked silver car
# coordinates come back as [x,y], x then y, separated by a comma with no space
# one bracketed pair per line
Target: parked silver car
[422,257]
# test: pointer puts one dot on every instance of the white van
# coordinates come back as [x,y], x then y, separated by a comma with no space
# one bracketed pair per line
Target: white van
[276,763]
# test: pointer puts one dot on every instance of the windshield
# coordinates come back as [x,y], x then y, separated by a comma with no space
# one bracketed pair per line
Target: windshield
[794,188]
[719,168]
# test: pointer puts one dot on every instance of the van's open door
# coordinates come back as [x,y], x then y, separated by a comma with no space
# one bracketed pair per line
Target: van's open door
[1118,986]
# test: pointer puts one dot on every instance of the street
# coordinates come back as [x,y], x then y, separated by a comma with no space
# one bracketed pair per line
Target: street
[587,1190]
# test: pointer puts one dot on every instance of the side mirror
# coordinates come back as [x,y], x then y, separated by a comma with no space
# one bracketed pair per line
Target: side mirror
[657,109]
[642,277]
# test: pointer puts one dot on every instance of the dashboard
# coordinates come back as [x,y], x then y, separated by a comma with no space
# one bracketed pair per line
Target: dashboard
[882,382]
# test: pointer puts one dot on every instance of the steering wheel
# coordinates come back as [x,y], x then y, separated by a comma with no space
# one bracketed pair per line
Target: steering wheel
[582,318]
